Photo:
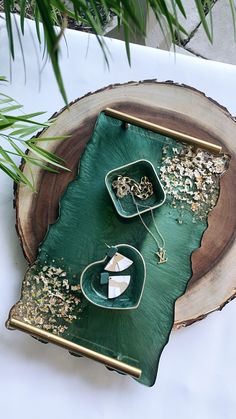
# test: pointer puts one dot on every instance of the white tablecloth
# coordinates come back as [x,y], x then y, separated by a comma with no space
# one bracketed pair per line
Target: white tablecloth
[197,370]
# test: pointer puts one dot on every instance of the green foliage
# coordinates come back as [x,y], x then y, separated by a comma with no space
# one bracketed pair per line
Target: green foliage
[93,13]
[89,13]
[14,131]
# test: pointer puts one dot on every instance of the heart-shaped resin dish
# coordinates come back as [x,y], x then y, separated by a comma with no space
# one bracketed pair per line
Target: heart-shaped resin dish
[130,272]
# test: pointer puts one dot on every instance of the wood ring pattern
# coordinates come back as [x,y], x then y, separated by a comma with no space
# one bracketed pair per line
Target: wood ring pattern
[178,107]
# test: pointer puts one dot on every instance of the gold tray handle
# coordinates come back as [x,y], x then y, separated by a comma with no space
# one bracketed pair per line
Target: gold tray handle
[213,148]
[73,347]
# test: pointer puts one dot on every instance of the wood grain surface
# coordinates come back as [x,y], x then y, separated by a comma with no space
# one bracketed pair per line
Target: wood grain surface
[178,107]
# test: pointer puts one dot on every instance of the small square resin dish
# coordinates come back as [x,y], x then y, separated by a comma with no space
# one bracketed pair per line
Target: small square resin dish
[136,170]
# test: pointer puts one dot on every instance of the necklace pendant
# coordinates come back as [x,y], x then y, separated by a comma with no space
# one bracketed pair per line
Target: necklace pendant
[161,254]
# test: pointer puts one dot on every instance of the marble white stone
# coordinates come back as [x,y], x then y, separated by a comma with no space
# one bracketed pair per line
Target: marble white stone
[181,50]
[117,285]
[192,19]
[223,48]
[118,263]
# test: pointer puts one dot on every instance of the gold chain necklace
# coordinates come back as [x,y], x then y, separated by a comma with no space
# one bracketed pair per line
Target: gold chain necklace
[143,190]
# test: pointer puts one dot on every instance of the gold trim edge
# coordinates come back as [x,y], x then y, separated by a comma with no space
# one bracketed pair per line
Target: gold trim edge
[163,130]
[74,347]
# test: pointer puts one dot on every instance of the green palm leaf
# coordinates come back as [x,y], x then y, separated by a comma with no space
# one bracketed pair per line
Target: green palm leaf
[20,127]
[201,12]
[88,12]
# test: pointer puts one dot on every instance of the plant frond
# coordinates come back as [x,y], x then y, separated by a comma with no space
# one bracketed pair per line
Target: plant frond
[90,13]
[19,128]
[202,16]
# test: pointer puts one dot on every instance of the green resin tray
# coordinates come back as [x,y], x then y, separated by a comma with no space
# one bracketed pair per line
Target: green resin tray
[52,306]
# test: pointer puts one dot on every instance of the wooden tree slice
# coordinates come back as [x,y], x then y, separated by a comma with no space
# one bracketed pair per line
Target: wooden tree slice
[178,107]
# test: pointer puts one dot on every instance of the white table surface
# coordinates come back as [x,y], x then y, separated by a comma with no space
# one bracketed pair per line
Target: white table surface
[197,369]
